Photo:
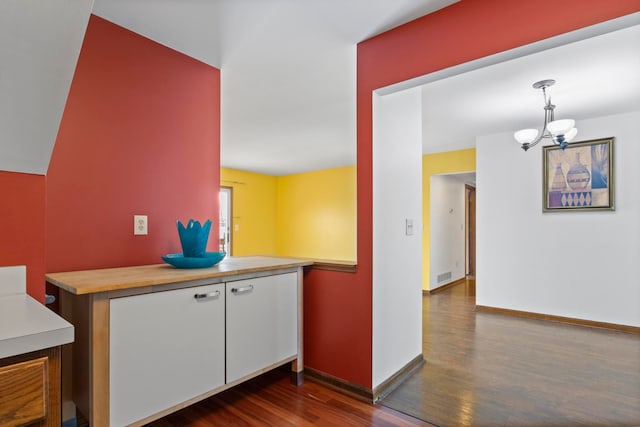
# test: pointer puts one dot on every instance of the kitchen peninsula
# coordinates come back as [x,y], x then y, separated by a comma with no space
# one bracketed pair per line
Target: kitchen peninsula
[153,339]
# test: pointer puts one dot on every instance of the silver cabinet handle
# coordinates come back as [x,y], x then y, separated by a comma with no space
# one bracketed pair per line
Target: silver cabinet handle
[200,297]
[242,290]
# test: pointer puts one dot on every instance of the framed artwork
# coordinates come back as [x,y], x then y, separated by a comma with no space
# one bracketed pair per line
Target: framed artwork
[580,177]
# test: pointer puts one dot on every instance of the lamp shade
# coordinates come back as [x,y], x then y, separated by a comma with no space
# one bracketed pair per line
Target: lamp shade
[526,136]
[571,134]
[560,127]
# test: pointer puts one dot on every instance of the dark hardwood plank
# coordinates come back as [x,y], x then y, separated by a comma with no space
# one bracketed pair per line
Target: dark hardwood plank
[487,369]
[271,400]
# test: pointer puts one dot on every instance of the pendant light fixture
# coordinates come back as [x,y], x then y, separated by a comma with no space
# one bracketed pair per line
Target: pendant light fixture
[561,132]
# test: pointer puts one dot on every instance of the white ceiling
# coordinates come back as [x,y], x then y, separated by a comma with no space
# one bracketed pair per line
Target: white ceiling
[594,77]
[288,69]
[289,76]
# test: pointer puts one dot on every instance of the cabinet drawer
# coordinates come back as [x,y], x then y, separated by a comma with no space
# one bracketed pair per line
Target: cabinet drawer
[23,392]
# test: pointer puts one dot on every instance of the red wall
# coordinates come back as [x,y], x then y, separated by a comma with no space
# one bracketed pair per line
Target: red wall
[339,305]
[140,134]
[23,226]
[337,324]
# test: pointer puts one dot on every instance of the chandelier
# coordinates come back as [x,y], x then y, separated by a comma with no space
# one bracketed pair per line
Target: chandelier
[561,132]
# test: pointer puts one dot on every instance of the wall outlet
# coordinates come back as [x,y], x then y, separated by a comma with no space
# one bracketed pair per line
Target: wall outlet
[140,225]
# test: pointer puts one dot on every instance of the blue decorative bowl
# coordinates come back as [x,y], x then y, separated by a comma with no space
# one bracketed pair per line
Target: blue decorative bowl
[193,238]
[208,260]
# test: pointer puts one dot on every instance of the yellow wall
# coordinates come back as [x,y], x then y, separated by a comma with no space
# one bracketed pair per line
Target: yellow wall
[254,212]
[317,214]
[309,215]
[435,164]
[313,214]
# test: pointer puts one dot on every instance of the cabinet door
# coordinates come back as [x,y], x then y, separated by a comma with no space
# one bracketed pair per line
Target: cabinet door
[262,323]
[165,348]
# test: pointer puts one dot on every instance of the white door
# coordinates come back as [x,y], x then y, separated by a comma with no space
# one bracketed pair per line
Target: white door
[165,348]
[262,323]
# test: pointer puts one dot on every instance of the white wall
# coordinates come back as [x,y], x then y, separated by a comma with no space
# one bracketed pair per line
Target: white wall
[582,265]
[397,257]
[447,241]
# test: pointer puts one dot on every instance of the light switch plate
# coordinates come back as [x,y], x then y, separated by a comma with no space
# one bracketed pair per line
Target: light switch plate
[140,226]
[409,227]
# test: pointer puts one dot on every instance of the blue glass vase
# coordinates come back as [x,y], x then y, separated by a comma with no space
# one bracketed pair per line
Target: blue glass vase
[193,238]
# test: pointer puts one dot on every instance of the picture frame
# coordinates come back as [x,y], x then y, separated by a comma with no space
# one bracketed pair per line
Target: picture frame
[578,178]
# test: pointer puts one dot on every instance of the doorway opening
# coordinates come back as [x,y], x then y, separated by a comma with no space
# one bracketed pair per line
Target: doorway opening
[451,245]
[470,235]
[226,202]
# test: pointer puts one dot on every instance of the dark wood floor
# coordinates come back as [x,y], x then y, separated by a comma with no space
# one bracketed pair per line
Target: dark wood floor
[489,369]
[271,400]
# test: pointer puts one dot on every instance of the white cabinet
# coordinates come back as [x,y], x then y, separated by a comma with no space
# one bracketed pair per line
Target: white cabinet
[169,347]
[262,323]
[145,347]
[165,348]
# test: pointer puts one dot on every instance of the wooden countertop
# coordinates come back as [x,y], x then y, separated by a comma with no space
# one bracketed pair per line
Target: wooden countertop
[111,279]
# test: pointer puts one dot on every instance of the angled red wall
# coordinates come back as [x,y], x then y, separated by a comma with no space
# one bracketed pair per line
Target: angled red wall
[23,226]
[339,305]
[140,134]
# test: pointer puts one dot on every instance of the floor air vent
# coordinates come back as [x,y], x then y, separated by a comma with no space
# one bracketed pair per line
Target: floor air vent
[444,277]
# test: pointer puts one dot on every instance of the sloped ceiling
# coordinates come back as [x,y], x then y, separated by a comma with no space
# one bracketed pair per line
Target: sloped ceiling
[39,46]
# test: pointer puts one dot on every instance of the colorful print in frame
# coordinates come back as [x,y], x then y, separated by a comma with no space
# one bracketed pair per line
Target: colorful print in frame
[580,177]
